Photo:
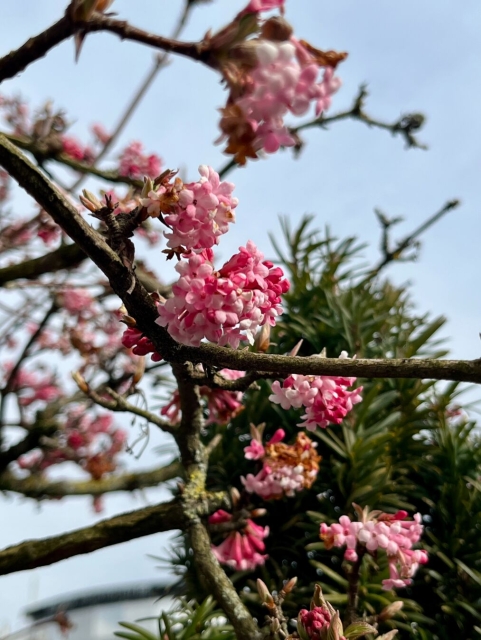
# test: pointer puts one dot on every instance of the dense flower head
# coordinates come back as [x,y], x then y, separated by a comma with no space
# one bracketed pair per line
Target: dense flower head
[225,306]
[286,469]
[76,150]
[221,405]
[376,531]
[134,163]
[90,440]
[241,550]
[284,79]
[315,622]
[326,399]
[197,213]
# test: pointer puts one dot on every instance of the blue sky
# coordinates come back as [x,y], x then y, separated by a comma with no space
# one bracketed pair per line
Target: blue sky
[414,56]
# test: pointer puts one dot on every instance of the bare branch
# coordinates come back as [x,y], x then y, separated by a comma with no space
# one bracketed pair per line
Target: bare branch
[40,487]
[406,126]
[34,48]
[128,526]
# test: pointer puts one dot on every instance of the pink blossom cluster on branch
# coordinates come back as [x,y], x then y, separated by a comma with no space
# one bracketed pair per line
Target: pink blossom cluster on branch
[376,531]
[226,306]
[91,441]
[241,550]
[221,406]
[315,624]
[268,77]
[197,213]
[134,163]
[286,469]
[326,399]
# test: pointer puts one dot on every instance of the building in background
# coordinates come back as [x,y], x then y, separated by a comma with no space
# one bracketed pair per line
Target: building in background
[96,615]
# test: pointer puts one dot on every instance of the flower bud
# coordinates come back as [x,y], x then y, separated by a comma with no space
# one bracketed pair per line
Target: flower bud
[80,381]
[276,29]
[90,201]
[290,584]
[263,591]
[391,610]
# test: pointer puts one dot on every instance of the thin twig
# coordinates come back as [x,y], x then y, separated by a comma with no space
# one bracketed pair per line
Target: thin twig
[160,61]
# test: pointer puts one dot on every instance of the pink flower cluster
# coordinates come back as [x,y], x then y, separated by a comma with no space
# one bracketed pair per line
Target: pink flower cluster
[140,344]
[315,623]
[222,406]
[32,386]
[241,550]
[282,83]
[376,530]
[225,306]
[326,399]
[197,212]
[135,164]
[286,469]
[91,441]
[76,150]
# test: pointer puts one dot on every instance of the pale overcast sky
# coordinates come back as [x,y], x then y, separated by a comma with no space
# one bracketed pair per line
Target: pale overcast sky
[415,56]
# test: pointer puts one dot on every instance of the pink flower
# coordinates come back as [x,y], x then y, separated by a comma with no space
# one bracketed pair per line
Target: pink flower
[285,80]
[100,133]
[315,621]
[73,148]
[241,550]
[286,469]
[226,306]
[198,213]
[140,344]
[256,6]
[326,399]
[222,405]
[135,164]
[380,531]
[78,302]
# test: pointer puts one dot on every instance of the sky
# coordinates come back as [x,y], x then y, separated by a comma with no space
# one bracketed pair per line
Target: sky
[414,57]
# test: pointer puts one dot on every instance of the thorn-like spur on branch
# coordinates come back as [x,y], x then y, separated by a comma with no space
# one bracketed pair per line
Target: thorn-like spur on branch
[36,47]
[39,488]
[406,126]
[140,305]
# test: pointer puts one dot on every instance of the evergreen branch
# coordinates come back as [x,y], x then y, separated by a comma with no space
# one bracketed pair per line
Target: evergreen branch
[39,487]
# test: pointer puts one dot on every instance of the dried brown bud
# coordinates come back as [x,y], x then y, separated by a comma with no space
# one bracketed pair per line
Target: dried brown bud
[276,29]
[289,586]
